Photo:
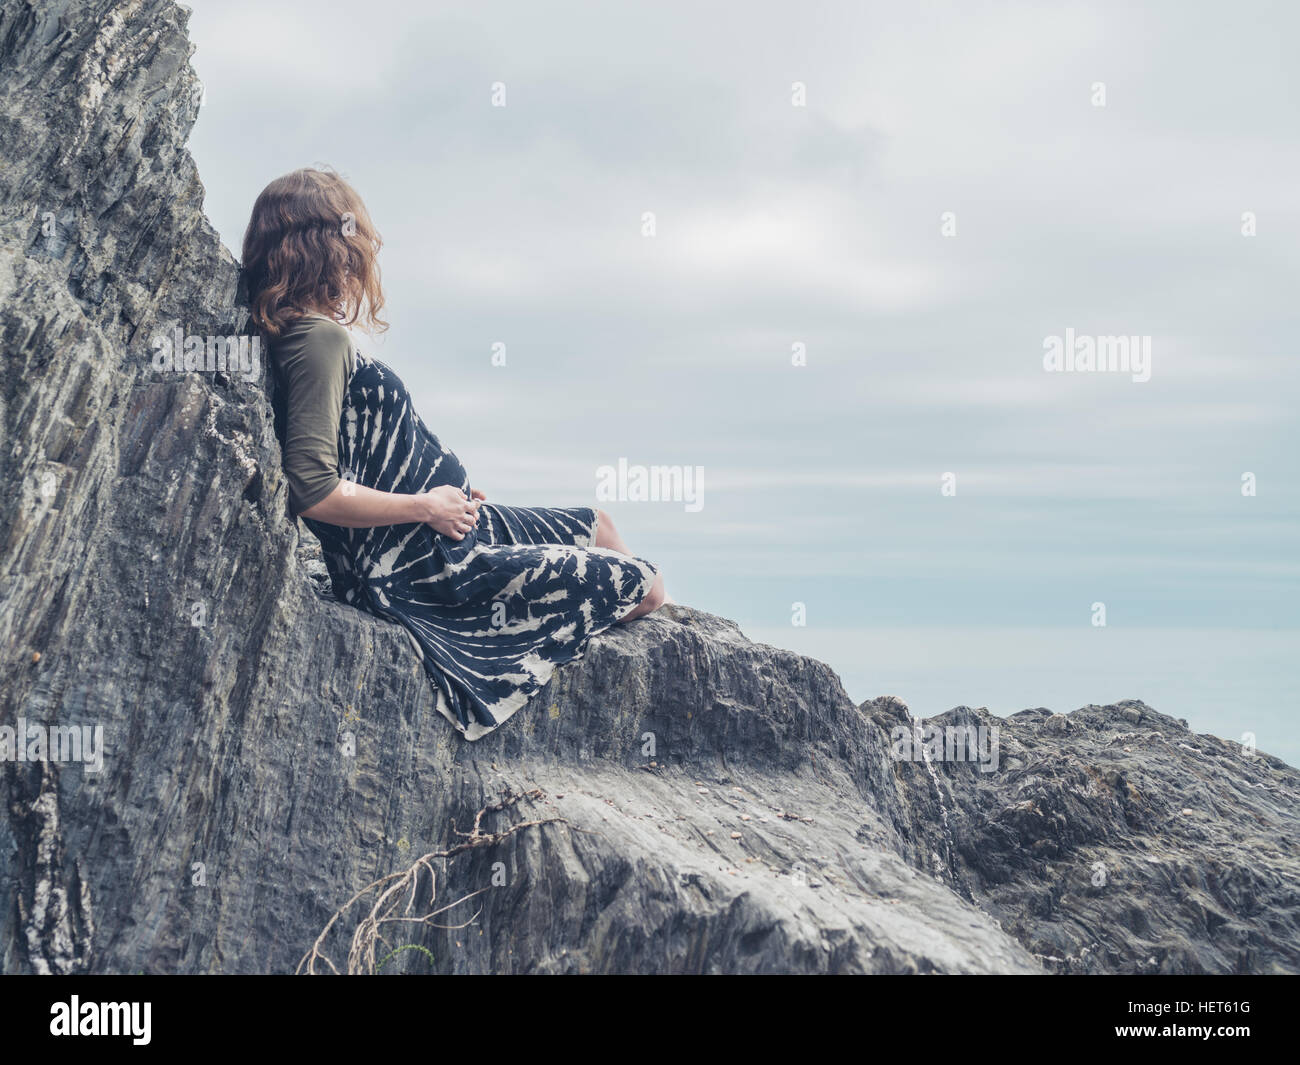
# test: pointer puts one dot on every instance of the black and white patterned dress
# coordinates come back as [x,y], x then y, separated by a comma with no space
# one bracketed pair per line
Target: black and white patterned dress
[492,614]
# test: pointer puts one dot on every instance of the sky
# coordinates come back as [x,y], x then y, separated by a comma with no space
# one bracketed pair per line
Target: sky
[916,197]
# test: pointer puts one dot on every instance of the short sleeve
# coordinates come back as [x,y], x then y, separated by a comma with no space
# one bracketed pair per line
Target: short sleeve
[314,360]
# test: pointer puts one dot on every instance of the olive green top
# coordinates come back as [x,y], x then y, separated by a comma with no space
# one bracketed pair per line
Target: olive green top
[313,358]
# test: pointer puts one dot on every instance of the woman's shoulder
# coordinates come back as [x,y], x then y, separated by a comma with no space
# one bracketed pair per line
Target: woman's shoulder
[313,337]
[314,325]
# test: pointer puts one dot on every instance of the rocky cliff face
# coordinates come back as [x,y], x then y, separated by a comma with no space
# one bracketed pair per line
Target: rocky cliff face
[679,800]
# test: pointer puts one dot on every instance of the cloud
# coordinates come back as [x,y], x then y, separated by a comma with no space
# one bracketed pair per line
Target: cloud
[778,225]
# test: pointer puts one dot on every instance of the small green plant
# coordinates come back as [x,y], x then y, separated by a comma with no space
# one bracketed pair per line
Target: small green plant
[410,946]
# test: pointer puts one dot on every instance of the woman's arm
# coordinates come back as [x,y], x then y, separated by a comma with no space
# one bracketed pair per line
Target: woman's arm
[313,358]
[354,506]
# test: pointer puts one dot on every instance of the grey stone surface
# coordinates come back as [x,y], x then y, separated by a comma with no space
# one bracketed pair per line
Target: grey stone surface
[769,830]
[1113,839]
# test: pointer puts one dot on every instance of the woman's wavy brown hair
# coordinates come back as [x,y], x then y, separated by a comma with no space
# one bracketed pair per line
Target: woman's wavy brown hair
[310,246]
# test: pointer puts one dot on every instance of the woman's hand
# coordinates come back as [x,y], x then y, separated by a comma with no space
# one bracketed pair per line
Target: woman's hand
[448,510]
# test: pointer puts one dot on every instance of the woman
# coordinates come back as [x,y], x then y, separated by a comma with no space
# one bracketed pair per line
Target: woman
[495,596]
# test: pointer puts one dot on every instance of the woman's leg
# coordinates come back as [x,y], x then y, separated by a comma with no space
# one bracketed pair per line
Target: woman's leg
[607,536]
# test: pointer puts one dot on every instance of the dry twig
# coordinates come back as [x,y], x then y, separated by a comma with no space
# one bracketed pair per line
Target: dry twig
[390,890]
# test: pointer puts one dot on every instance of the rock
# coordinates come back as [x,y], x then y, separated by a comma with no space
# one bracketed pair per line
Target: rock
[1097,856]
[268,752]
